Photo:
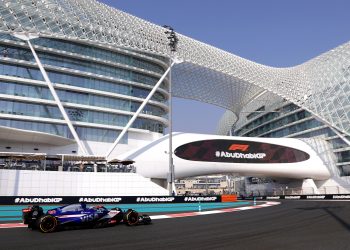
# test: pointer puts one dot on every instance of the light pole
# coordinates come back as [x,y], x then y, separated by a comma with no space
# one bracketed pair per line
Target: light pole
[173,40]
[171,176]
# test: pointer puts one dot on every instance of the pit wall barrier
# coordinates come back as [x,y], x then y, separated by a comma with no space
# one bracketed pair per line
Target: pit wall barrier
[299,197]
[18,200]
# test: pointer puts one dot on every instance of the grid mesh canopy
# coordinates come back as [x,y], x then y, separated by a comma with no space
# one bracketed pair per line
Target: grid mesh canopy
[207,74]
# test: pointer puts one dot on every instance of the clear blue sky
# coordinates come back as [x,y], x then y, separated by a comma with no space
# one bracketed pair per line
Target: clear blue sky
[273,32]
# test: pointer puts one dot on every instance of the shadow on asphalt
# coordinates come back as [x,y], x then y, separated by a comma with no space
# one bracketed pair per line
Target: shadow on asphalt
[340,220]
[327,209]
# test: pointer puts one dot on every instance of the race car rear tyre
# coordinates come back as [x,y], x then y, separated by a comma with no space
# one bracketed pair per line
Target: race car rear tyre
[131,217]
[32,225]
[47,224]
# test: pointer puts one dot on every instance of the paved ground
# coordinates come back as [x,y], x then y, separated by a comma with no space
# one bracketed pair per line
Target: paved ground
[291,225]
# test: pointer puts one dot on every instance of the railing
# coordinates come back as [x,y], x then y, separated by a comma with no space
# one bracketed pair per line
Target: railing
[90,167]
[300,191]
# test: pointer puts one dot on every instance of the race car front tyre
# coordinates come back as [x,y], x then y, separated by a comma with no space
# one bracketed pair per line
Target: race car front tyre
[131,217]
[145,219]
[47,224]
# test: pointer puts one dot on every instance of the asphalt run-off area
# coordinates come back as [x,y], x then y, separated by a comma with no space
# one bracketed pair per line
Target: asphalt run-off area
[269,225]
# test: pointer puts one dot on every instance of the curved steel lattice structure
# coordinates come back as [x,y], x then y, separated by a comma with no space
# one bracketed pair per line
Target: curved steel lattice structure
[206,74]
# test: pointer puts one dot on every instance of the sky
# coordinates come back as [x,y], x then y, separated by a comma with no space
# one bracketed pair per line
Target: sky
[272,32]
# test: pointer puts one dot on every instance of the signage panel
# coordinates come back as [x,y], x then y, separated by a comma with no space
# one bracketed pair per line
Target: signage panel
[234,151]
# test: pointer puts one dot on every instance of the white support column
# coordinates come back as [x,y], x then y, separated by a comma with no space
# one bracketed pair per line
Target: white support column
[125,129]
[27,37]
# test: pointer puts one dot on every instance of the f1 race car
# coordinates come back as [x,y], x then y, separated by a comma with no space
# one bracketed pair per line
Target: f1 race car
[79,215]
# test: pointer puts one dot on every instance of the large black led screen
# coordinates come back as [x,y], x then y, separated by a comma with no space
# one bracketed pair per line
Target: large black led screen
[236,151]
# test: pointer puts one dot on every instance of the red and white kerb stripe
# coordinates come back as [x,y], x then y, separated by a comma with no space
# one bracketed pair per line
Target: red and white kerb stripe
[219,211]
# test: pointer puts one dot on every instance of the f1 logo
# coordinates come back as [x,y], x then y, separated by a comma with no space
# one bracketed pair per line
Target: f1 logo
[241,147]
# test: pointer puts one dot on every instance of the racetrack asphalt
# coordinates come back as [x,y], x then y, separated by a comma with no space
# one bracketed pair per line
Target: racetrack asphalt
[14,213]
[290,225]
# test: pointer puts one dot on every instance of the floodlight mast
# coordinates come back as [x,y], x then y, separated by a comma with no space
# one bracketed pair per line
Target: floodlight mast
[173,40]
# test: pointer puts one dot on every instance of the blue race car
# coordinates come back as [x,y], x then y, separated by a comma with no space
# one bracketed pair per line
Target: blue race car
[79,215]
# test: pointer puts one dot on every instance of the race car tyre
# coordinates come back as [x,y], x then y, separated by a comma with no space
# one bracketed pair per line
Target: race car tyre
[31,214]
[131,217]
[119,217]
[47,224]
[32,225]
[146,220]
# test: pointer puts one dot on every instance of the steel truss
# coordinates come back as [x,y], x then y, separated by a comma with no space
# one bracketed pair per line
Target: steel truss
[208,74]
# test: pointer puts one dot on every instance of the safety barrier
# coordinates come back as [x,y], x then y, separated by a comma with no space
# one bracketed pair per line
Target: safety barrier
[16,200]
[300,197]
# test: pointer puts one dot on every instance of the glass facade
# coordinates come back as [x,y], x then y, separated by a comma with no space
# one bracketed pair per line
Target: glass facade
[284,121]
[289,120]
[107,80]
[19,89]
[78,81]
[98,53]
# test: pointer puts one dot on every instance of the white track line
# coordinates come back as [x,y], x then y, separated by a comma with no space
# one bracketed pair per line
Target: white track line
[219,211]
